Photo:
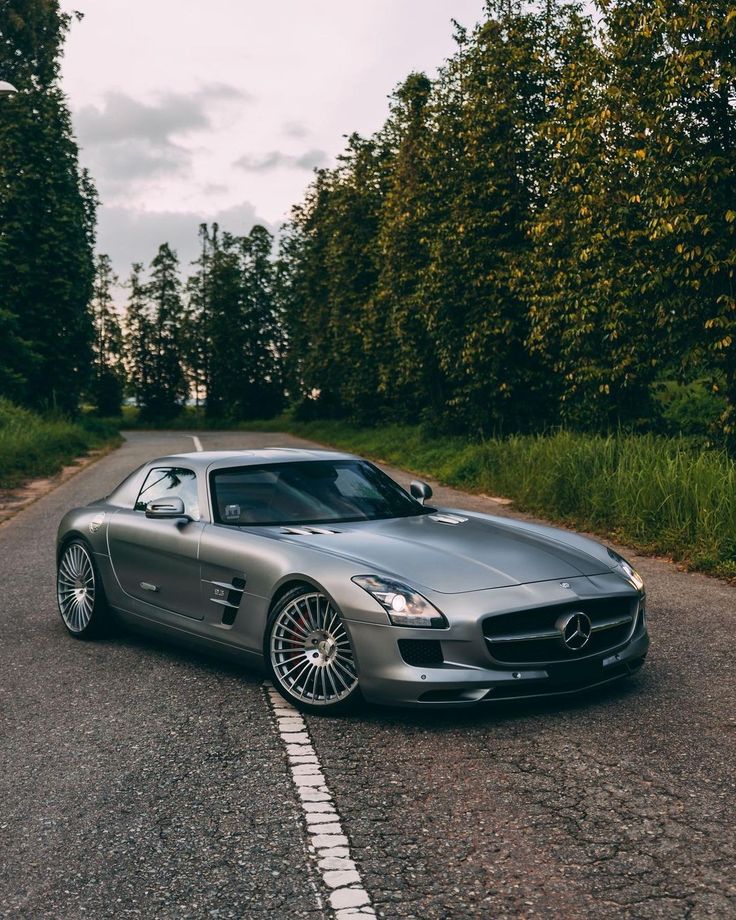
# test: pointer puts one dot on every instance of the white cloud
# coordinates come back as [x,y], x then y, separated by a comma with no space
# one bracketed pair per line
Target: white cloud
[167,96]
[276,159]
[295,129]
[127,140]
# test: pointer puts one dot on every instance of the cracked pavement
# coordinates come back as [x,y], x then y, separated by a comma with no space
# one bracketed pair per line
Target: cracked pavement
[138,779]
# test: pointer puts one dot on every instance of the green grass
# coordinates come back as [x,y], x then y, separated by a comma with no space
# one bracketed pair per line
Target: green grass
[33,445]
[659,494]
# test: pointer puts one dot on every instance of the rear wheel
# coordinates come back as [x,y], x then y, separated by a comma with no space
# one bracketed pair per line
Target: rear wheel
[309,653]
[79,592]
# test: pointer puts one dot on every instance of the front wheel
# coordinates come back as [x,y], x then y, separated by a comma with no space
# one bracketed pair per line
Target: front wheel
[79,592]
[309,653]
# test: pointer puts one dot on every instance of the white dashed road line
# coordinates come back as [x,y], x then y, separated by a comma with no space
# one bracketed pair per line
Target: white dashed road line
[197,442]
[348,898]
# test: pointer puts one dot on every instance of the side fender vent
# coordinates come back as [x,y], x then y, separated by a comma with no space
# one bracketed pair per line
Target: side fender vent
[227,597]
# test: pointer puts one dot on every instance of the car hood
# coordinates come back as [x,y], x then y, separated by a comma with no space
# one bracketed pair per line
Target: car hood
[473,555]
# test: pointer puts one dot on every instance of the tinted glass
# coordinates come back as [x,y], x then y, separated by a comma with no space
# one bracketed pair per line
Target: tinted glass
[308,492]
[125,494]
[170,482]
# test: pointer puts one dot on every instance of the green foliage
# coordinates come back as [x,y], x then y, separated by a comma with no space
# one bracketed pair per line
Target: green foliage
[47,214]
[690,409]
[328,271]
[536,236]
[218,338]
[38,445]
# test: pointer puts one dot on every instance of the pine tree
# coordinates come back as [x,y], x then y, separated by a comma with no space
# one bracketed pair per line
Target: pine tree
[108,371]
[225,330]
[137,335]
[197,318]
[165,387]
[47,213]
[261,390]
[242,331]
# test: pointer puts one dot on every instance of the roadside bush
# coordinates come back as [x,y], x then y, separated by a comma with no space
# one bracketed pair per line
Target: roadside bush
[35,445]
[660,494]
[690,409]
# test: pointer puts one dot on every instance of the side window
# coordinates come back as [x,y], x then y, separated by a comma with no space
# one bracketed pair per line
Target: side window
[125,494]
[170,482]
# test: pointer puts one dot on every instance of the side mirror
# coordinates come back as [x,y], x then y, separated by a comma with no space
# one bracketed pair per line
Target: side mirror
[421,491]
[166,508]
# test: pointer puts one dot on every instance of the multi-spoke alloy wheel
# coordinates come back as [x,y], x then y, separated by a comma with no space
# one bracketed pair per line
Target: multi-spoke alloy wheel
[77,591]
[310,652]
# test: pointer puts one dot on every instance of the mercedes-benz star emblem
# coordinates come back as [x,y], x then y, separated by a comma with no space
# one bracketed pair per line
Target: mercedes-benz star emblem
[575,629]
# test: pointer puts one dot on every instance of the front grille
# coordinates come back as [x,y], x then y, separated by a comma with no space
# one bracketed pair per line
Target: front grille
[531,637]
[421,653]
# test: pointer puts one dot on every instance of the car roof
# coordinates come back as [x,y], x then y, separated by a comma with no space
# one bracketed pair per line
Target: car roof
[222,459]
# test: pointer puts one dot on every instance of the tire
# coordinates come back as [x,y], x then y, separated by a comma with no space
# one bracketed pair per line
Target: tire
[309,653]
[79,592]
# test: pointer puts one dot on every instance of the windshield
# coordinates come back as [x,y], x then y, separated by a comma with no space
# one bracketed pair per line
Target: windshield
[308,492]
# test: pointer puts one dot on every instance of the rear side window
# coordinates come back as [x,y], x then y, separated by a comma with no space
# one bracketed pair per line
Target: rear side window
[170,482]
[125,494]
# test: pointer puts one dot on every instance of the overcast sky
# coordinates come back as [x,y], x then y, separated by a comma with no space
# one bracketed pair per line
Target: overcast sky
[193,110]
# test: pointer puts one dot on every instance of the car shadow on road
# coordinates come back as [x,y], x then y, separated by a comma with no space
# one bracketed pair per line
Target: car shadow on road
[498,712]
[624,693]
[180,651]
[501,712]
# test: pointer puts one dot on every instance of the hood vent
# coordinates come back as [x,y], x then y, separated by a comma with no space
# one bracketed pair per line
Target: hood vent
[307,531]
[447,518]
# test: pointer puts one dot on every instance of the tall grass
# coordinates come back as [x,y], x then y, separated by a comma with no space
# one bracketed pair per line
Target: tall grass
[35,445]
[659,494]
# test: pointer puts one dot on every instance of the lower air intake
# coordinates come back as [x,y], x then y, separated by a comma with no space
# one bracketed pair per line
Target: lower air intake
[421,653]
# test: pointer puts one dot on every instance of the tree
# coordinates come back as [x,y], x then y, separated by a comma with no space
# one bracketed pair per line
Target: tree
[304,304]
[47,214]
[676,63]
[164,386]
[409,381]
[197,319]
[242,331]
[331,243]
[108,372]
[262,393]
[137,333]
[486,157]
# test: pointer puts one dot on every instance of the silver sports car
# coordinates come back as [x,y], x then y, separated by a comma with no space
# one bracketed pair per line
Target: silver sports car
[343,585]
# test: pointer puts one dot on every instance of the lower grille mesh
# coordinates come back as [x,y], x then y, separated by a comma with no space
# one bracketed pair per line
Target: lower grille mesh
[421,652]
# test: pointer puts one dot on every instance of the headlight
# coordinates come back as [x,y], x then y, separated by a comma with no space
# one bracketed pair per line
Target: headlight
[403,605]
[627,570]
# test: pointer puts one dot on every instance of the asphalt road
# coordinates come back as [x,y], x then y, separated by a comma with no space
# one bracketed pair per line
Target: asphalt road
[141,780]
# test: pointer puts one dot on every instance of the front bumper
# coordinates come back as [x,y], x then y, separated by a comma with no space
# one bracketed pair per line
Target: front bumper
[468,674]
